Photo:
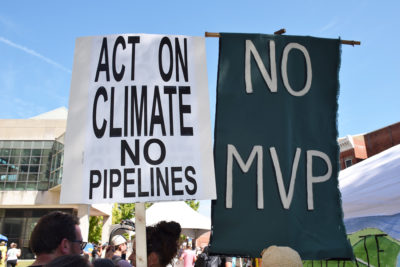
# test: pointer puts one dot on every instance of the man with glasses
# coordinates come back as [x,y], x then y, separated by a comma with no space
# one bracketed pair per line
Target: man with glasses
[56,234]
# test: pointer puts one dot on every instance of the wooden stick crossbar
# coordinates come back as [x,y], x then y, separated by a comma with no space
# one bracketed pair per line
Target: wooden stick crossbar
[351,42]
[281,31]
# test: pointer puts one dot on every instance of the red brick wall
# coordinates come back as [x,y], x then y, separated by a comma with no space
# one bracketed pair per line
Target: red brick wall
[395,128]
[348,154]
[382,139]
[371,144]
[203,240]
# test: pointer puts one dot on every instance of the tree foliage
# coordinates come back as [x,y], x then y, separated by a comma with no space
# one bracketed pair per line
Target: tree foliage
[126,211]
[95,229]
[122,212]
[193,204]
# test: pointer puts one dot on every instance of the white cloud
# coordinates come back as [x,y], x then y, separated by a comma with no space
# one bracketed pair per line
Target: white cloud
[33,53]
[329,26]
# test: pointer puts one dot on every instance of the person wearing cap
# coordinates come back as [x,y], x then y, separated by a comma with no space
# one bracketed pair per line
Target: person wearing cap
[275,256]
[120,246]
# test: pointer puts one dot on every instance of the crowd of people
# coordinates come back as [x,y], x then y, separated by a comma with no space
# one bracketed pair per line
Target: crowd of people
[56,240]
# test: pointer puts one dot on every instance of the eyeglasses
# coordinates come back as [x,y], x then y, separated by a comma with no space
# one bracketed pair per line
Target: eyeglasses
[81,243]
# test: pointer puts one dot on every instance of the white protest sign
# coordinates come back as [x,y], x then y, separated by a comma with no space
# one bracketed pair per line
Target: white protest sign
[138,127]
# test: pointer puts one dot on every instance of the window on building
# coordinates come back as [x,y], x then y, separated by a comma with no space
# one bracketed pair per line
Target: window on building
[57,161]
[347,163]
[17,225]
[25,165]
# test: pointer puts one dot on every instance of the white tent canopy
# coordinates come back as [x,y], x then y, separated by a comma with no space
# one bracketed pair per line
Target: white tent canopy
[372,187]
[193,224]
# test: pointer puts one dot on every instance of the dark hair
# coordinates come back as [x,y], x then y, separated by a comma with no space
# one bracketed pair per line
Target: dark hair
[103,263]
[163,239]
[50,230]
[71,260]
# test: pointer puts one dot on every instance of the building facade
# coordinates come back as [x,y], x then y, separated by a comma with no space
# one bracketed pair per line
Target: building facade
[31,167]
[356,148]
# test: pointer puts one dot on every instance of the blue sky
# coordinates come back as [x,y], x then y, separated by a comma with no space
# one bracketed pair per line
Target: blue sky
[37,41]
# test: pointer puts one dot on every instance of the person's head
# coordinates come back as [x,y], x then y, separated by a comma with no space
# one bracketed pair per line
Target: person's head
[280,256]
[110,252]
[162,243]
[13,245]
[103,263]
[69,260]
[2,243]
[119,243]
[56,233]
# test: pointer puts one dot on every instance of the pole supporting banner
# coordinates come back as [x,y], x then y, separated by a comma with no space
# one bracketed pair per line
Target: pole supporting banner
[282,31]
[140,228]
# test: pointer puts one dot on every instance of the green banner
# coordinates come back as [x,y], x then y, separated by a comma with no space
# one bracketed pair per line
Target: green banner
[276,154]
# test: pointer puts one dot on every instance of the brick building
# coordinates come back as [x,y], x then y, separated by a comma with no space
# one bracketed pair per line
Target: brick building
[356,148]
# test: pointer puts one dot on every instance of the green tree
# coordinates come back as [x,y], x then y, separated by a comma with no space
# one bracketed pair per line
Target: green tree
[122,212]
[95,229]
[125,211]
[193,204]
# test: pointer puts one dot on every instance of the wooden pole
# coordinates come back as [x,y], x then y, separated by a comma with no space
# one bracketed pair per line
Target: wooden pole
[212,34]
[281,31]
[351,42]
[140,229]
